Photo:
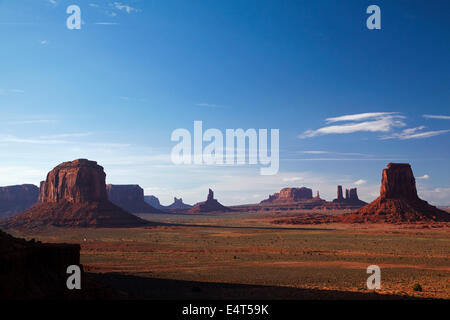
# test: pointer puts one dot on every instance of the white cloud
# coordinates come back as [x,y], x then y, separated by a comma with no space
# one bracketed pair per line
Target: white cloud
[360,116]
[360,182]
[93,5]
[52,2]
[14,139]
[335,153]
[376,122]
[437,196]
[5,91]
[120,6]
[42,140]
[106,23]
[431,116]
[414,133]
[424,177]
[37,121]
[44,42]
[292,179]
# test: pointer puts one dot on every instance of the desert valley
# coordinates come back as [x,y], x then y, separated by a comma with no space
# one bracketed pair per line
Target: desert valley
[293,245]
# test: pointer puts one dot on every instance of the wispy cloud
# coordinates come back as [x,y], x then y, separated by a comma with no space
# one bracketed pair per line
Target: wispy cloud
[320,152]
[414,133]
[124,7]
[432,116]
[15,139]
[35,121]
[5,91]
[44,42]
[106,23]
[374,122]
[360,116]
[44,140]
[360,182]
[424,177]
[292,179]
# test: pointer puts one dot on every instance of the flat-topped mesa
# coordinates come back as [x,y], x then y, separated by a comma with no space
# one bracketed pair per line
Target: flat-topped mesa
[398,201]
[74,195]
[398,182]
[77,181]
[129,197]
[210,205]
[290,195]
[15,199]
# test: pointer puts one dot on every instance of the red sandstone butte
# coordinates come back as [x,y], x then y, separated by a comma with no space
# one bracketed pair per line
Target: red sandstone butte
[398,201]
[290,195]
[210,205]
[74,195]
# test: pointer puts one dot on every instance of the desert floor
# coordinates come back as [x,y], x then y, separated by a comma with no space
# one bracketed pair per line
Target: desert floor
[244,255]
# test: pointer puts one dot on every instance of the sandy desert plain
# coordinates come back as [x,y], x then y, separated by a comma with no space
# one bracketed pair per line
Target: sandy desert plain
[245,255]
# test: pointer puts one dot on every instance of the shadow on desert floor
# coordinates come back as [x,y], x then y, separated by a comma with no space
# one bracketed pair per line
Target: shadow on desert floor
[136,287]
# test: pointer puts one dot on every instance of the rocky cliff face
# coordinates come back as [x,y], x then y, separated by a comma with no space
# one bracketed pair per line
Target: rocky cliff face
[35,270]
[154,202]
[340,196]
[210,205]
[30,269]
[74,195]
[15,199]
[129,198]
[77,181]
[398,182]
[290,195]
[398,201]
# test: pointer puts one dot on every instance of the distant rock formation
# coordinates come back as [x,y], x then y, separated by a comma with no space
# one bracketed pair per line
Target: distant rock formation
[178,204]
[129,198]
[74,195]
[210,205]
[290,195]
[339,194]
[154,202]
[398,201]
[15,199]
[351,200]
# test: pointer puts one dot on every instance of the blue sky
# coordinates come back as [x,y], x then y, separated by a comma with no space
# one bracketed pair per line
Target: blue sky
[137,70]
